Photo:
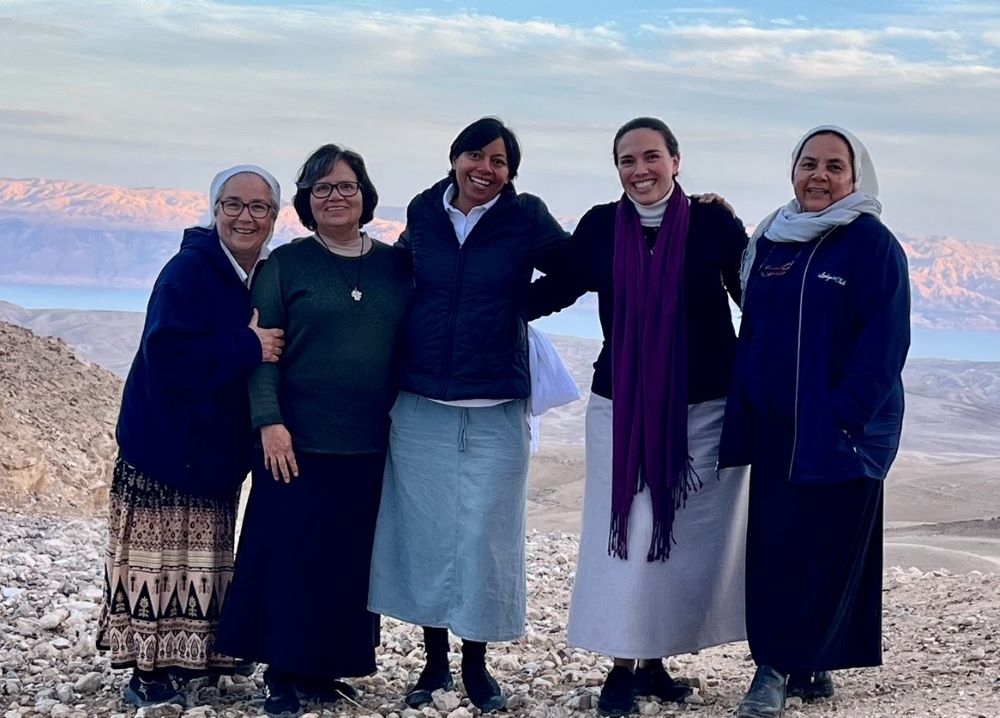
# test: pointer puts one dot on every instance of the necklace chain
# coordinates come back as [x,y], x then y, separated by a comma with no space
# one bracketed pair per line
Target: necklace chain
[356,293]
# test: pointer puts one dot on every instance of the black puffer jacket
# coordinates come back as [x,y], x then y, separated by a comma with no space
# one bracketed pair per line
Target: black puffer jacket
[466,337]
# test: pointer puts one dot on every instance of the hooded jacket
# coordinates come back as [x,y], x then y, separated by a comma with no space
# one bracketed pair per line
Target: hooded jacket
[185,414]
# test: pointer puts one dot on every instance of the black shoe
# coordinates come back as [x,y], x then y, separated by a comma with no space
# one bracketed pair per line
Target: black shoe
[282,701]
[618,693]
[811,686]
[324,690]
[432,678]
[148,688]
[766,697]
[653,680]
[482,688]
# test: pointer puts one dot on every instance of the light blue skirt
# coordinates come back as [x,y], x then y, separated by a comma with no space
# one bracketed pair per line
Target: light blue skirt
[449,543]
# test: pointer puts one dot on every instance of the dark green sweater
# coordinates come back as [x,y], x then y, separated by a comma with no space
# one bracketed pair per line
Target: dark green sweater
[337,377]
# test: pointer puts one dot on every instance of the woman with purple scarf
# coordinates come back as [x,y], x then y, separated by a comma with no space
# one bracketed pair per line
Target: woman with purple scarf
[661,552]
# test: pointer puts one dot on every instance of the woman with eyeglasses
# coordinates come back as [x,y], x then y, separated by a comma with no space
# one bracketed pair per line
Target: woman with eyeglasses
[299,600]
[449,550]
[184,448]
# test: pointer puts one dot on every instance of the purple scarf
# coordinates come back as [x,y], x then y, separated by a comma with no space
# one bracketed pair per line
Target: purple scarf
[649,374]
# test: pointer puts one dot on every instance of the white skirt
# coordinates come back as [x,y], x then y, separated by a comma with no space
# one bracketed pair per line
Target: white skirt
[695,599]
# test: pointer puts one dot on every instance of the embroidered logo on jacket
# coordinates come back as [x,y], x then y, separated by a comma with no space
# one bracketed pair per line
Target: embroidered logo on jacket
[832,278]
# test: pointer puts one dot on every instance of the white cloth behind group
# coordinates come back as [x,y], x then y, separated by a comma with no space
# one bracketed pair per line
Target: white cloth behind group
[551,383]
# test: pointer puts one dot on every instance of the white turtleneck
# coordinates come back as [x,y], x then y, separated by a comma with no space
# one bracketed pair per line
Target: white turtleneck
[651,215]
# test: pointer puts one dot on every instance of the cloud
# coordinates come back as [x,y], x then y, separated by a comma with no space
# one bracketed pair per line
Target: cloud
[15,117]
[217,84]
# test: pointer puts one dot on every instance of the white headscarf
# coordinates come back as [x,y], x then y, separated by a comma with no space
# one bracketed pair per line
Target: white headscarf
[219,181]
[790,224]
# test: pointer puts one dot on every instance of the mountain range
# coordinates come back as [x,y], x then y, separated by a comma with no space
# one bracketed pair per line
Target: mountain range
[63,233]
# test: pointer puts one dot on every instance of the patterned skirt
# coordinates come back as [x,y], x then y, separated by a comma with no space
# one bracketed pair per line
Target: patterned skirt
[167,569]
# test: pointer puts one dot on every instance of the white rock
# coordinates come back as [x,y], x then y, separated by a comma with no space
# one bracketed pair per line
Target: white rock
[446,701]
[460,712]
[161,710]
[52,619]
[89,683]
[976,654]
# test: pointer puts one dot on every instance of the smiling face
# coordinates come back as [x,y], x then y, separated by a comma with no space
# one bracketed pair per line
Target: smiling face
[823,173]
[336,214]
[480,175]
[645,166]
[244,235]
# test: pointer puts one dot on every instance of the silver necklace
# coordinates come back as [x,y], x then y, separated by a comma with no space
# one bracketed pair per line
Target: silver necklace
[356,292]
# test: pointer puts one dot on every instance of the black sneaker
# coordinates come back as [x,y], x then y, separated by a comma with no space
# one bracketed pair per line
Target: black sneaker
[653,680]
[282,701]
[618,693]
[482,688]
[149,688]
[811,686]
[432,678]
[324,690]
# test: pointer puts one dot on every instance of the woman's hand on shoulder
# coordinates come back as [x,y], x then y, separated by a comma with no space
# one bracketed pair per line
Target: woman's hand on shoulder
[271,340]
[712,198]
[279,458]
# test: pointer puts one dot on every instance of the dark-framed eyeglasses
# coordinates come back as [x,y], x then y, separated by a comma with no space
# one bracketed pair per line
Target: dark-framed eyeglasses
[234,208]
[322,190]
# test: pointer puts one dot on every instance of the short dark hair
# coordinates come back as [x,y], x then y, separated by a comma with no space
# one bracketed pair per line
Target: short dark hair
[647,123]
[318,165]
[479,134]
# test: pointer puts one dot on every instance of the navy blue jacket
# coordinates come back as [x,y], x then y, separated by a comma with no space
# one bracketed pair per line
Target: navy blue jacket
[466,337]
[185,416]
[843,340]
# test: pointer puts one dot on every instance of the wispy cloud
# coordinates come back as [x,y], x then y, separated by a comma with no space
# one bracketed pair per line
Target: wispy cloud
[221,83]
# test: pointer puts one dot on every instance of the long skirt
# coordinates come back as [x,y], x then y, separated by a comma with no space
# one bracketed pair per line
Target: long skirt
[649,609]
[814,564]
[299,598]
[449,547]
[167,570]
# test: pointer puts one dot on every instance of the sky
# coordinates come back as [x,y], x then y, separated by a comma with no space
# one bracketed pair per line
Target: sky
[146,93]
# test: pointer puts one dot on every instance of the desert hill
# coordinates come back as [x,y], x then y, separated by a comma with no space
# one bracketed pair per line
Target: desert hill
[57,421]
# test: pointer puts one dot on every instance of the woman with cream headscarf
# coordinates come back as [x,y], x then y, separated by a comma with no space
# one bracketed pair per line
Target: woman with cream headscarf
[184,445]
[816,407]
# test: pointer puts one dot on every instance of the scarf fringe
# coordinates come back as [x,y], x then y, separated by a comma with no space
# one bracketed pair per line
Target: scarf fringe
[663,538]
[618,536]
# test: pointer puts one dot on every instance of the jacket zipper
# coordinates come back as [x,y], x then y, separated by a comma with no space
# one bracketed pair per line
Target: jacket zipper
[798,358]
[453,317]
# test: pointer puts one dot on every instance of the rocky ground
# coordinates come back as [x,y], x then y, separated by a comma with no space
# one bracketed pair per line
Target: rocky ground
[57,424]
[941,647]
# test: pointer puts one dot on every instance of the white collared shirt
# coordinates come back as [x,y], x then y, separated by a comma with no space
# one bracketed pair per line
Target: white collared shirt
[463,223]
[240,272]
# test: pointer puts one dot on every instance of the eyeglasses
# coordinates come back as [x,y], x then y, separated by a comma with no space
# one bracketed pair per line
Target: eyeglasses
[234,208]
[322,190]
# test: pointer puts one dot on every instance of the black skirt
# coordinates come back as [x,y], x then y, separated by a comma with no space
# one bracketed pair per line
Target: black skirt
[299,596]
[814,565]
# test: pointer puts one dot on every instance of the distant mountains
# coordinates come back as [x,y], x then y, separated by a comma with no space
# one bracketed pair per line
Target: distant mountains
[55,232]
